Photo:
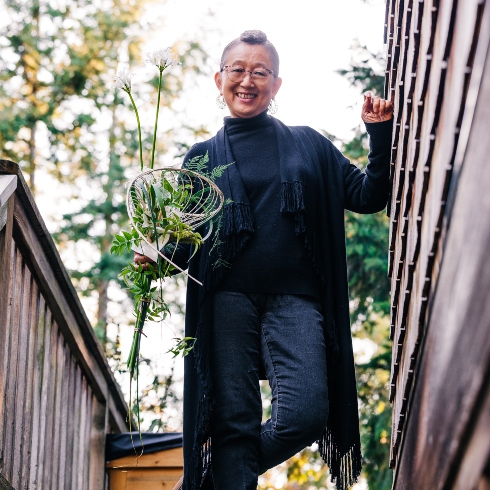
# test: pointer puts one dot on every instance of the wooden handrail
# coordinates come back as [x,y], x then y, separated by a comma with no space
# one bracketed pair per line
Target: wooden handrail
[58,395]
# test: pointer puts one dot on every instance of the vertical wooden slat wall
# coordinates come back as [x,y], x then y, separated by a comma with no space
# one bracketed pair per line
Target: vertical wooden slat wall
[436,55]
[53,374]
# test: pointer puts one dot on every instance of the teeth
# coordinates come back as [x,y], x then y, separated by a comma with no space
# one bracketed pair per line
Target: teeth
[246,96]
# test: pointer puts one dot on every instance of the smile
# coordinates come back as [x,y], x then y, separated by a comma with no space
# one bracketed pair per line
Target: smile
[246,96]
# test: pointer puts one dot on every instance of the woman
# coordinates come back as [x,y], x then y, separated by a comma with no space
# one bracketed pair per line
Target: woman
[275,297]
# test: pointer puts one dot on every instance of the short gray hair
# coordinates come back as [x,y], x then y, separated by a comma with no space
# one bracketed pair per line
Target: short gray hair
[253,37]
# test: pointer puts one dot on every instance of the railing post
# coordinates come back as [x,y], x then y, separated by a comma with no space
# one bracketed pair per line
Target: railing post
[8,184]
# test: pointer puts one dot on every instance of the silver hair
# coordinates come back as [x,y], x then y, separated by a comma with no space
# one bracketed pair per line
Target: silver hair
[253,37]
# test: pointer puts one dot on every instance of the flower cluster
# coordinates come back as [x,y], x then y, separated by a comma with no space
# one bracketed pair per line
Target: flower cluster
[123,80]
[162,59]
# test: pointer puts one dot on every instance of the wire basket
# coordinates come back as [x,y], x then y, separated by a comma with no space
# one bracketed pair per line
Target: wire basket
[168,204]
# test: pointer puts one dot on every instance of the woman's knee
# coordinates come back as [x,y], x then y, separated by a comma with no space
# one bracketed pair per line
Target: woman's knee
[307,421]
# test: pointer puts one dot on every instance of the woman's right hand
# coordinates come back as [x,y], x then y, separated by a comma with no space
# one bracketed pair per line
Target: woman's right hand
[143,260]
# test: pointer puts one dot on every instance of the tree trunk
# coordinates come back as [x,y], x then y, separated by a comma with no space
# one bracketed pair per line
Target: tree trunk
[101,326]
[32,158]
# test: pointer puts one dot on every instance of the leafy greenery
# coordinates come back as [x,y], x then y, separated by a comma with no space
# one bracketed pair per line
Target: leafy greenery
[60,115]
[369,288]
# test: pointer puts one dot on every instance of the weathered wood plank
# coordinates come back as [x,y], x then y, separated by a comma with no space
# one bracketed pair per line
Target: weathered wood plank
[64,417]
[52,367]
[71,425]
[20,374]
[82,462]
[11,371]
[87,443]
[76,414]
[24,235]
[97,443]
[117,421]
[50,414]
[44,408]
[37,392]
[7,264]
[59,401]
[30,387]
[442,160]
[440,424]
[8,184]
[477,450]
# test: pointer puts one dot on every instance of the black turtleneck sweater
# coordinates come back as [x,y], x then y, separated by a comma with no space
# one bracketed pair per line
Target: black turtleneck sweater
[274,260]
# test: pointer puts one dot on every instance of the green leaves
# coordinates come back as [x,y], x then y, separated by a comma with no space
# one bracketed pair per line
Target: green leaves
[182,346]
[125,242]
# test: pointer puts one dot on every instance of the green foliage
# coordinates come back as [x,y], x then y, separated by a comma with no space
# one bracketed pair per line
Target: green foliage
[365,70]
[182,346]
[60,114]
[56,88]
[369,289]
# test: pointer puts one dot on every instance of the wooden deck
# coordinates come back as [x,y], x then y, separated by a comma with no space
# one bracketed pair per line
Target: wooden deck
[438,73]
[58,395]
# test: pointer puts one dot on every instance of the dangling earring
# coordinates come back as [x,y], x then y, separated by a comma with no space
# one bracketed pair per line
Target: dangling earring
[220,102]
[273,107]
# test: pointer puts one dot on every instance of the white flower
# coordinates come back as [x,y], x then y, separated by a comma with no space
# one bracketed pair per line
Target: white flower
[123,80]
[161,59]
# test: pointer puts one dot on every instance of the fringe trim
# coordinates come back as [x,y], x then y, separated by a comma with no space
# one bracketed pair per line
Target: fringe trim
[237,217]
[237,226]
[344,469]
[292,202]
[201,453]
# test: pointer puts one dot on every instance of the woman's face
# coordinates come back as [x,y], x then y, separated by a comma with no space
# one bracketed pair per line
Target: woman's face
[246,98]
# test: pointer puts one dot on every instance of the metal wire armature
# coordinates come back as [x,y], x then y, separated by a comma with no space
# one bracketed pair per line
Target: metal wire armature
[166,203]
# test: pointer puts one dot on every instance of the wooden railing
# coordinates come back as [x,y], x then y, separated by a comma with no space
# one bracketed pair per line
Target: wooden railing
[58,396]
[438,74]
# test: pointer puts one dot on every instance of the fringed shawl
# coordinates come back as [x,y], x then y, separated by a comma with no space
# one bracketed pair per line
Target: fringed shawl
[317,184]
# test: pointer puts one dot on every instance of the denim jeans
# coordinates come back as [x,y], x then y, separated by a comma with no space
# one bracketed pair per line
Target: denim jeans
[286,333]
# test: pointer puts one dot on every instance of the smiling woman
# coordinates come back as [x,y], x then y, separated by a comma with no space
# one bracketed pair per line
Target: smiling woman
[248,77]
[274,299]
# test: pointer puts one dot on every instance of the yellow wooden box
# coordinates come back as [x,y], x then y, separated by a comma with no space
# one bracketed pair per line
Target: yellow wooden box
[155,471]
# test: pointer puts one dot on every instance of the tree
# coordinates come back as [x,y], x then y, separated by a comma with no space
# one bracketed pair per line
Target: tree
[57,83]
[59,113]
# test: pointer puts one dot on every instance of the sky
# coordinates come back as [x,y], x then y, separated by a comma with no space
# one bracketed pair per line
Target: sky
[312,37]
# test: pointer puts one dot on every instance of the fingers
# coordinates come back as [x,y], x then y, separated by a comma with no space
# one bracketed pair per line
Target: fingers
[376,109]
[142,260]
[368,102]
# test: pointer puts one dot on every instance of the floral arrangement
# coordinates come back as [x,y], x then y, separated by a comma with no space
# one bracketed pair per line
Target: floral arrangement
[165,206]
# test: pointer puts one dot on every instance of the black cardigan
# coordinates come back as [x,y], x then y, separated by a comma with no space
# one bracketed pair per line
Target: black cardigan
[317,196]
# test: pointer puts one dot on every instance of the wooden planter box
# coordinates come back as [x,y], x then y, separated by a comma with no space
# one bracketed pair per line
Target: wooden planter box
[155,471]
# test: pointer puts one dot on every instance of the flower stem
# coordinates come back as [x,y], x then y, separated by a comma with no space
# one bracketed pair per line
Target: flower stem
[139,129]
[156,119]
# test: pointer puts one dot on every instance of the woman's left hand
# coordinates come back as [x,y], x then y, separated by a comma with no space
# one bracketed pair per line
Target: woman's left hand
[375,109]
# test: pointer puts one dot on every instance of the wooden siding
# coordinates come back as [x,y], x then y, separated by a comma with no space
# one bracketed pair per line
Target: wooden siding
[58,397]
[438,75]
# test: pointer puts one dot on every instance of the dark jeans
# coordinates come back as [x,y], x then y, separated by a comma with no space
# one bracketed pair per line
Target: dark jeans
[286,332]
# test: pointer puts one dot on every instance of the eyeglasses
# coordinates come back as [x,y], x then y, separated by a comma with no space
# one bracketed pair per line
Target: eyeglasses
[237,74]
